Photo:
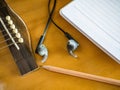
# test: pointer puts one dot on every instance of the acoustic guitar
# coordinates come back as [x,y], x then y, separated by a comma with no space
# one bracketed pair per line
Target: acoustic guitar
[16,38]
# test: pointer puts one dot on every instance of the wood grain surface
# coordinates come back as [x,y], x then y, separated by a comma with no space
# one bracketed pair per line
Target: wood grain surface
[90,58]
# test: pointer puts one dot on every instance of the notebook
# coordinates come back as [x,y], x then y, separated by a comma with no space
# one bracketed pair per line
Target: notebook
[99,21]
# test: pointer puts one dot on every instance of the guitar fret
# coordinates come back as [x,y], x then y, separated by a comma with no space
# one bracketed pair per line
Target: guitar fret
[4,26]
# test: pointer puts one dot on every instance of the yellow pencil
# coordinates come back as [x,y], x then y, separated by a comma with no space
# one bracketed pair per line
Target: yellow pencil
[82,75]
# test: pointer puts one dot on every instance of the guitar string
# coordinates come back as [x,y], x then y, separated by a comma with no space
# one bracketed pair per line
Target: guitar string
[2,31]
[6,40]
[2,36]
[6,34]
[3,47]
[1,42]
[7,30]
[8,45]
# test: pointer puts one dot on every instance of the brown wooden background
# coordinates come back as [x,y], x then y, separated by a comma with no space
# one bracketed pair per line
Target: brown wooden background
[90,58]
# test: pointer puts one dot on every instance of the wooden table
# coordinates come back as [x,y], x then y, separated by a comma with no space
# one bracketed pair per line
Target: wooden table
[90,58]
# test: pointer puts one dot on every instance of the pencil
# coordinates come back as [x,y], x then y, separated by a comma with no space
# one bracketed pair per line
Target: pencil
[82,75]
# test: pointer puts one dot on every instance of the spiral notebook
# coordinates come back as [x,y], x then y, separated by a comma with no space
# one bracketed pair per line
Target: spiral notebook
[99,21]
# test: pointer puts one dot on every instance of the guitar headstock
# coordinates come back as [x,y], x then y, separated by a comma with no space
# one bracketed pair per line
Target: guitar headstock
[17,38]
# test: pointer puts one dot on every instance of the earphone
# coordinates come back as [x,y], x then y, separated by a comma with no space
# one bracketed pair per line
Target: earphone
[41,49]
[72,44]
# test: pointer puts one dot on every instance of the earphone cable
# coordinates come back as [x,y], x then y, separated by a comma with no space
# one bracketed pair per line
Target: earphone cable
[51,17]
[47,25]
[59,28]
[46,28]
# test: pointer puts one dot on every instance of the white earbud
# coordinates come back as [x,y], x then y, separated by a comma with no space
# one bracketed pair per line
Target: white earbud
[72,46]
[42,50]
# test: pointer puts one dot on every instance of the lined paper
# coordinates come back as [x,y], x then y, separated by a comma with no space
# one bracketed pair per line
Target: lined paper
[99,21]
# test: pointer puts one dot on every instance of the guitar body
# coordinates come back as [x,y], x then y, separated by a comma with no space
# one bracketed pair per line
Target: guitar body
[17,38]
[90,58]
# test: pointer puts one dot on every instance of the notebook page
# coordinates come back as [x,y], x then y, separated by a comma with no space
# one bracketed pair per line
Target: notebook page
[104,13]
[86,19]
